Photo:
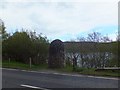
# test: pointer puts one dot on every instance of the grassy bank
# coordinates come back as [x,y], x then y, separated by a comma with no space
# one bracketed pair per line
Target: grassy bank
[19,65]
[91,71]
[67,69]
[99,73]
[0,63]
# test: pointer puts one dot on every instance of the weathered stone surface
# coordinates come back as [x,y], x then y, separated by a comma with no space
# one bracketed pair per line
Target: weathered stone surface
[56,54]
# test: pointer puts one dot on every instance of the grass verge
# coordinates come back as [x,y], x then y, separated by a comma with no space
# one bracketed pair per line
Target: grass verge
[93,71]
[19,65]
[67,69]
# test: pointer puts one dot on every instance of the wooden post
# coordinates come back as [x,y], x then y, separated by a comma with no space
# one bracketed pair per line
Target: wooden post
[30,62]
[9,60]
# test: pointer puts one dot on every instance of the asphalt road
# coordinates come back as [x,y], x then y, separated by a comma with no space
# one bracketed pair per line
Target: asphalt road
[24,79]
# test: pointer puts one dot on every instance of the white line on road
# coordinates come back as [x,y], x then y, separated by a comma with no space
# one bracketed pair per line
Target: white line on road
[103,77]
[34,87]
[9,69]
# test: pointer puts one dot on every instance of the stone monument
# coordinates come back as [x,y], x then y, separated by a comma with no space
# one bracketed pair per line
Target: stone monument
[56,54]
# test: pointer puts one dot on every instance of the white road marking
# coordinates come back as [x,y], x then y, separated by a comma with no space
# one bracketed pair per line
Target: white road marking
[64,74]
[103,77]
[34,87]
[9,69]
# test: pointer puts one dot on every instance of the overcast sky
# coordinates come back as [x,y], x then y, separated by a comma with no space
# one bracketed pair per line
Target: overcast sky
[61,19]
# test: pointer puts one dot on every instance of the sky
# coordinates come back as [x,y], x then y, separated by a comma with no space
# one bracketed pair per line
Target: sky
[61,19]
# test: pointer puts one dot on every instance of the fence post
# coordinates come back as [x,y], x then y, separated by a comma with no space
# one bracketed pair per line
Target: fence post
[9,60]
[30,62]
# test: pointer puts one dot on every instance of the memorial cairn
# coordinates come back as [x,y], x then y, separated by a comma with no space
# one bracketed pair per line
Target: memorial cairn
[56,54]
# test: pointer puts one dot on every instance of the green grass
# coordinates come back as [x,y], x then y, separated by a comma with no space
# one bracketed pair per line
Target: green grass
[67,69]
[0,63]
[18,65]
[92,71]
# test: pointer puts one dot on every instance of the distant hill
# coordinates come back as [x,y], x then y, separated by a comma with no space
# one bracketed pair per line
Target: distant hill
[89,46]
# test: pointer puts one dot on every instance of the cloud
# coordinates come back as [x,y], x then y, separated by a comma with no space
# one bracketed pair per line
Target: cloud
[58,19]
[61,0]
[113,36]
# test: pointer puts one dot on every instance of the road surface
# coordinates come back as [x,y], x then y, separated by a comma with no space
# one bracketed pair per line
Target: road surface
[28,79]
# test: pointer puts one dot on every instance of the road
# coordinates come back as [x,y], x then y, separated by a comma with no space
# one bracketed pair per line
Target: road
[27,79]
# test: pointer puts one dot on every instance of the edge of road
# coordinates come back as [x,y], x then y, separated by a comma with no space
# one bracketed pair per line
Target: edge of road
[62,73]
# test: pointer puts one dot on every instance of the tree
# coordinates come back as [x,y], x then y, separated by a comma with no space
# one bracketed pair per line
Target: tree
[23,45]
[81,39]
[115,49]
[3,37]
[96,54]
[3,34]
[96,38]
[101,50]
[41,47]
[1,28]
[72,52]
[19,47]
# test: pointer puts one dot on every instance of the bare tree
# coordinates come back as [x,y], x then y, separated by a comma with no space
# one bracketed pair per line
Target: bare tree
[72,52]
[95,54]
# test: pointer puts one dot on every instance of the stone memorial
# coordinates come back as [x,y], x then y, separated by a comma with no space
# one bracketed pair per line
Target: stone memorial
[56,54]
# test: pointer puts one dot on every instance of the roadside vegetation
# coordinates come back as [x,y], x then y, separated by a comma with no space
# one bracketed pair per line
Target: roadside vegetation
[18,65]
[23,47]
[68,69]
